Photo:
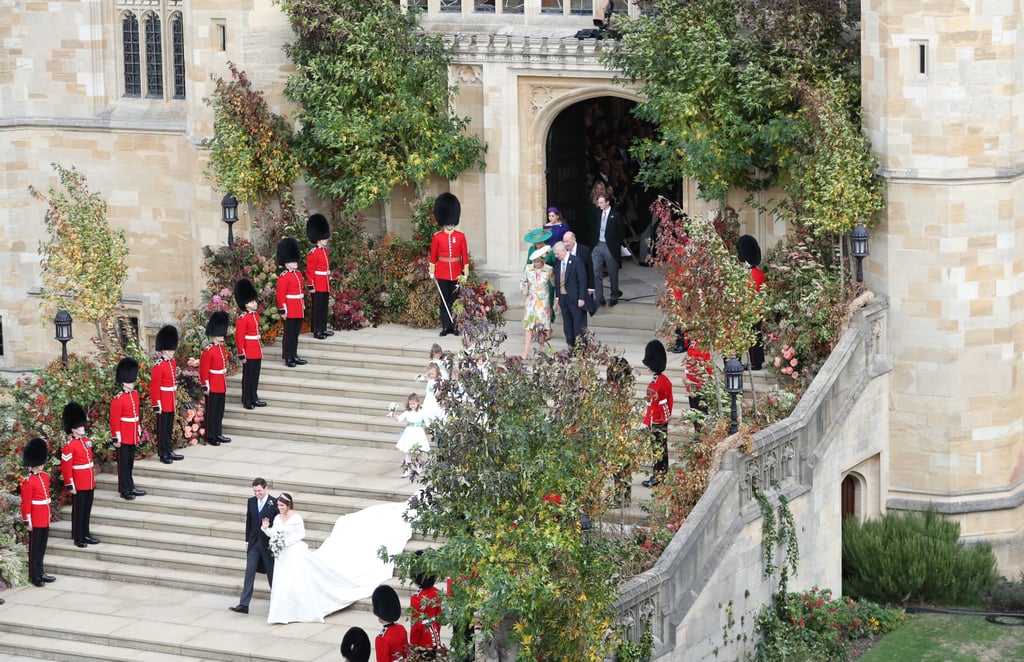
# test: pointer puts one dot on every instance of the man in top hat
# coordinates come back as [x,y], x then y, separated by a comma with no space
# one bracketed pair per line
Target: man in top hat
[290,300]
[163,386]
[248,343]
[318,273]
[76,469]
[393,641]
[124,426]
[35,509]
[355,646]
[449,257]
[659,407]
[749,252]
[213,372]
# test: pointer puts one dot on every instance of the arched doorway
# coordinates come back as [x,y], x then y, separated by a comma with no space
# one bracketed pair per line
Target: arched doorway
[589,141]
[848,496]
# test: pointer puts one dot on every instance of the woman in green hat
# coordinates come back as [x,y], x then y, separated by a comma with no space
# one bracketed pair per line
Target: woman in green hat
[539,238]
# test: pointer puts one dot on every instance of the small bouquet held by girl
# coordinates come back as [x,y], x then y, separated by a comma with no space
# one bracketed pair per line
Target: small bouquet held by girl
[414,437]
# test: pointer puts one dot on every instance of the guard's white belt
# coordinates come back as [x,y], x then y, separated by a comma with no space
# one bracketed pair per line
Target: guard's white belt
[168,388]
[252,337]
[134,419]
[81,466]
[661,402]
[321,273]
[218,372]
[293,296]
[44,502]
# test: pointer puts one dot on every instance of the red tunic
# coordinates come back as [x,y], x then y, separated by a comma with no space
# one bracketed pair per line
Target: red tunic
[426,619]
[290,297]
[698,367]
[392,644]
[213,368]
[756,278]
[124,417]
[162,385]
[317,271]
[35,500]
[659,400]
[449,254]
[76,464]
[247,336]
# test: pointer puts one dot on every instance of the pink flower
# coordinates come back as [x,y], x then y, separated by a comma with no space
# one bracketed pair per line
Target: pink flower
[216,298]
[778,361]
[787,370]
[190,414]
[793,362]
[225,292]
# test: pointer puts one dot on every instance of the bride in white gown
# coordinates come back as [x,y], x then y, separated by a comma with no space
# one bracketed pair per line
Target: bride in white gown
[308,584]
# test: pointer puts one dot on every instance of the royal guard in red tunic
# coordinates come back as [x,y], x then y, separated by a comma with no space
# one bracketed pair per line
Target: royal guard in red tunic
[213,375]
[426,612]
[355,646]
[35,509]
[392,643]
[290,300]
[248,343]
[659,408]
[124,427]
[318,273]
[163,385]
[698,369]
[76,469]
[449,257]
[749,252]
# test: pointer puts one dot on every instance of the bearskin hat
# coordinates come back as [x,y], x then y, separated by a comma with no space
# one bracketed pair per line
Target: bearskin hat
[447,209]
[73,417]
[355,645]
[218,324]
[317,228]
[749,250]
[287,251]
[35,453]
[167,338]
[127,371]
[245,292]
[385,604]
[421,575]
[655,357]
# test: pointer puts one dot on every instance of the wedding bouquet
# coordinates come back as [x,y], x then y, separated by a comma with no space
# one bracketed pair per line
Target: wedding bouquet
[277,543]
[392,407]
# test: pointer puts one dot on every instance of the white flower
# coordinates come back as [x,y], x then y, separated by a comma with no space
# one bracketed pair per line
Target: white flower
[421,378]
[392,407]
[277,543]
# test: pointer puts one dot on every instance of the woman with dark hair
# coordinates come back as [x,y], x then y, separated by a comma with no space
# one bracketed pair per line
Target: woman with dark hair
[556,225]
[308,584]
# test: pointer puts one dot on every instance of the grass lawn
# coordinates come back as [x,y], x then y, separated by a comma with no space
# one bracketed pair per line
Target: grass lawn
[942,638]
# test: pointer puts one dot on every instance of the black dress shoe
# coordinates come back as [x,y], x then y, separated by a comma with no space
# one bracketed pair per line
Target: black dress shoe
[167,460]
[249,406]
[290,364]
[443,333]
[129,496]
[222,439]
[645,264]
[240,609]
[260,403]
[212,442]
[48,578]
[678,349]
[299,361]
[454,332]
[319,336]
[176,456]
[327,334]
[618,293]
[38,582]
[613,302]
[651,482]
[80,544]
[92,541]
[138,492]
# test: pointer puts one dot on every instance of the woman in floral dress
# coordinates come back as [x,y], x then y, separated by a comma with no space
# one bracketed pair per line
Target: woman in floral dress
[537,279]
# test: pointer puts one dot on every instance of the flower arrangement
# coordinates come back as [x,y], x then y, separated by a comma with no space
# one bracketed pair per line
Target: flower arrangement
[392,408]
[277,543]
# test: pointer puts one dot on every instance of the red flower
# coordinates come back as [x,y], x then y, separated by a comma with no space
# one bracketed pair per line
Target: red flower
[554,498]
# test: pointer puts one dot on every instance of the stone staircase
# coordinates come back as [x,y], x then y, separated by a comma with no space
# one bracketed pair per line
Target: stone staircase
[171,562]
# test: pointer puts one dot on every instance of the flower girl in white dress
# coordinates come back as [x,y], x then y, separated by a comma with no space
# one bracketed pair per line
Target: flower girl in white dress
[414,436]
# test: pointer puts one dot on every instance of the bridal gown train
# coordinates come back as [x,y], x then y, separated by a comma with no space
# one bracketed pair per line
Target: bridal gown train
[308,584]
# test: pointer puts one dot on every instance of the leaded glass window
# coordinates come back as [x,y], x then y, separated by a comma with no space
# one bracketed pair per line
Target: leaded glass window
[132,62]
[154,58]
[178,41]
[454,6]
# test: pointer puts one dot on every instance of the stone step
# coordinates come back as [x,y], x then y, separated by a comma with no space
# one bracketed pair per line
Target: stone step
[374,431]
[35,647]
[333,381]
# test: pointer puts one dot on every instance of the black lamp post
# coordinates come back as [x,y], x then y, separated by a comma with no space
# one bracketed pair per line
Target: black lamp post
[859,239]
[229,207]
[733,386]
[63,324]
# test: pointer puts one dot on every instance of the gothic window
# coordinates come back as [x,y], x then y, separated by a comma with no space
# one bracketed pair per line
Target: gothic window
[451,5]
[130,44]
[152,49]
[154,59]
[178,43]
[512,6]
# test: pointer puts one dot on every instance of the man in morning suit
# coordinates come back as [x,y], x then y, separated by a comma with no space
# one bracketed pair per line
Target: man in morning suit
[608,251]
[571,293]
[257,545]
[583,252]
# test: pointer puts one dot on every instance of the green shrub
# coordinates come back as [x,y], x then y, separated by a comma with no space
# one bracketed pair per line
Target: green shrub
[914,557]
[1005,595]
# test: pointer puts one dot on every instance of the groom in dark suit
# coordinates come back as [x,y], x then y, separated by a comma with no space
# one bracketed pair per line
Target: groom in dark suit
[257,552]
[571,293]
